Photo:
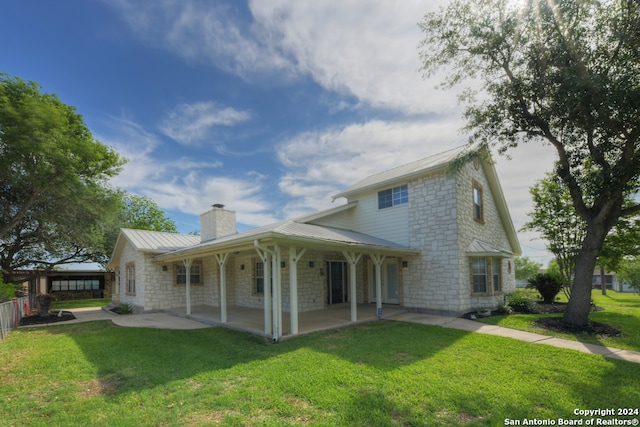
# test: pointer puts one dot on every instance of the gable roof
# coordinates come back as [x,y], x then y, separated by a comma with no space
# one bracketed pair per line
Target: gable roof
[151,242]
[387,178]
[438,163]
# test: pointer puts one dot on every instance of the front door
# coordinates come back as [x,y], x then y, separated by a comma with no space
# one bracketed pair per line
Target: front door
[336,282]
[390,282]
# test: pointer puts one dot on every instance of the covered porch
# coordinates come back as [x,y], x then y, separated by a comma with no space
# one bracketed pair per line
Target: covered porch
[252,319]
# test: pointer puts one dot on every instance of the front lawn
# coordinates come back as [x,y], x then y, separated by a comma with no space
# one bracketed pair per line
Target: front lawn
[620,310]
[376,374]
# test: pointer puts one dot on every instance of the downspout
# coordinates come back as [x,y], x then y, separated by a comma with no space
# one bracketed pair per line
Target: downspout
[267,282]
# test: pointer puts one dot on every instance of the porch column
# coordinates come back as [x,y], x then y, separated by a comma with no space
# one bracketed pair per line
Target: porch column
[377,261]
[222,262]
[187,266]
[293,284]
[352,259]
[265,257]
[277,294]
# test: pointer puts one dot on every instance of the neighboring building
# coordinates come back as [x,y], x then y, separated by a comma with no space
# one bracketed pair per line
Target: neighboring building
[65,284]
[611,280]
[419,236]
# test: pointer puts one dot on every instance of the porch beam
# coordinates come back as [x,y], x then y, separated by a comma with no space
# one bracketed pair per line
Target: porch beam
[352,259]
[293,284]
[377,261]
[187,266]
[222,262]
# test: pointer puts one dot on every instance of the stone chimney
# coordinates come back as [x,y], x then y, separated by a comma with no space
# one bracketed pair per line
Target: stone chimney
[216,223]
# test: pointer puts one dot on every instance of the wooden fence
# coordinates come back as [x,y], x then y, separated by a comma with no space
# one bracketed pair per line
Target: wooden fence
[11,312]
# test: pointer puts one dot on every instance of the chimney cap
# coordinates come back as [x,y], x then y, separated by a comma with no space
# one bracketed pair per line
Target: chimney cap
[218,205]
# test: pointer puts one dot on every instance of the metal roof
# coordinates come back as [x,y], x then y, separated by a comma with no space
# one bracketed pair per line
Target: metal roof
[480,248]
[291,231]
[419,167]
[160,242]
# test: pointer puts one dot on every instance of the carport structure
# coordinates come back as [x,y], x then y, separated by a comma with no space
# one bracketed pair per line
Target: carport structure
[280,249]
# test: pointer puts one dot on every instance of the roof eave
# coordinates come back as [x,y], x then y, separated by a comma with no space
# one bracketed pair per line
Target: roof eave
[392,181]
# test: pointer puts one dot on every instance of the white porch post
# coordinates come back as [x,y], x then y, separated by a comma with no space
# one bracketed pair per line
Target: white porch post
[353,259]
[277,294]
[266,258]
[377,261]
[187,265]
[293,284]
[222,262]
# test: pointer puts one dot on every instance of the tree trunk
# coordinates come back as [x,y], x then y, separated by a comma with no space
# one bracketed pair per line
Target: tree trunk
[579,306]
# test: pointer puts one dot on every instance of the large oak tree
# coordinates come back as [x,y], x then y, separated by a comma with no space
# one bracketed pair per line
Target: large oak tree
[558,72]
[53,180]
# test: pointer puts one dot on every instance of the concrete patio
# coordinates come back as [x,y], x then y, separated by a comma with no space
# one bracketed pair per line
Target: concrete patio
[252,319]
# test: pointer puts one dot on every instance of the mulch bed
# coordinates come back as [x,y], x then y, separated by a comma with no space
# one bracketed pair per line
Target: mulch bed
[591,328]
[46,320]
[556,323]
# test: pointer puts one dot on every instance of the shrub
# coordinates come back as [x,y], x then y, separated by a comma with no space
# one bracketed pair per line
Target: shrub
[547,285]
[123,309]
[7,290]
[522,302]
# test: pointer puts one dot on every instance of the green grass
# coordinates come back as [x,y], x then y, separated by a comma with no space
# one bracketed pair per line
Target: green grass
[384,373]
[81,303]
[621,310]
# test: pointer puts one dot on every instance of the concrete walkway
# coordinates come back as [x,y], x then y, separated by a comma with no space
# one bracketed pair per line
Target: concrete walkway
[482,328]
[168,321]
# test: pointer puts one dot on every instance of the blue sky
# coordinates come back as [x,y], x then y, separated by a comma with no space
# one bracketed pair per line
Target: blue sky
[267,106]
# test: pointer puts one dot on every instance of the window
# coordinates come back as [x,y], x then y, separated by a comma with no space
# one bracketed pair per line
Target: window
[130,278]
[486,276]
[259,277]
[479,275]
[393,196]
[181,274]
[495,273]
[478,202]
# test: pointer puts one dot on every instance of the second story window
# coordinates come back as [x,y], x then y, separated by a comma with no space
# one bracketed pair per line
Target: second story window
[393,196]
[478,203]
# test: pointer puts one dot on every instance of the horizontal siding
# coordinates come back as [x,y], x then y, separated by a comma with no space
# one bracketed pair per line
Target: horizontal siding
[389,223]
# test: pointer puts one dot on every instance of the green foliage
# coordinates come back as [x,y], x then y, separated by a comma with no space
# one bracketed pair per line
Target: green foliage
[547,285]
[555,218]
[526,268]
[522,302]
[629,272]
[142,213]
[561,73]
[376,374]
[53,172]
[123,309]
[7,290]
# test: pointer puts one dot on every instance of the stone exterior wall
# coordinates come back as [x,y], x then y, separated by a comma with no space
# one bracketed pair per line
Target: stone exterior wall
[431,280]
[441,224]
[491,231]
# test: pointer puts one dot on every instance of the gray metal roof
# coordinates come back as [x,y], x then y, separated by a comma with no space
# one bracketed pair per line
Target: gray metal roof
[418,167]
[291,230]
[160,242]
[480,248]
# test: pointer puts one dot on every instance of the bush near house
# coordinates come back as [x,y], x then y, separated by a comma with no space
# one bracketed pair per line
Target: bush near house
[547,285]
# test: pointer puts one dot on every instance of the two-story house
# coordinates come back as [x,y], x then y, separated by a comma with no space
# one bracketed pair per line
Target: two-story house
[422,236]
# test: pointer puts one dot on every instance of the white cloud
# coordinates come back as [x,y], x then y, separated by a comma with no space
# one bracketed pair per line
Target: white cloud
[193,123]
[357,48]
[320,164]
[205,32]
[184,184]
